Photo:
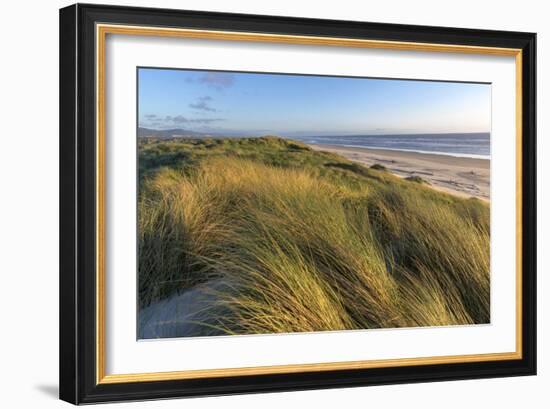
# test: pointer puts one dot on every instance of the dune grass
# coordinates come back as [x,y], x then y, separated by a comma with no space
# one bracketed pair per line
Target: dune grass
[299,240]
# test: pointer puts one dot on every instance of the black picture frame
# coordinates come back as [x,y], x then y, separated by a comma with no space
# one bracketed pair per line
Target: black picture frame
[78,360]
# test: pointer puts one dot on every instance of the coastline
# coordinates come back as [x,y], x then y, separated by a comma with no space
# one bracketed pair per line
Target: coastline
[457,175]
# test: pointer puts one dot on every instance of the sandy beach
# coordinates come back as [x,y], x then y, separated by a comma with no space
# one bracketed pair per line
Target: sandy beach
[465,177]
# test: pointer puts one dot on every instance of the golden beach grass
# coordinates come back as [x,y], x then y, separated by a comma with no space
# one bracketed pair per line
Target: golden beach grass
[315,243]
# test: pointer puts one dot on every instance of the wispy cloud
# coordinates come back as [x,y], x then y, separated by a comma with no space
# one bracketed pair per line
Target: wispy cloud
[171,121]
[203,104]
[180,119]
[217,80]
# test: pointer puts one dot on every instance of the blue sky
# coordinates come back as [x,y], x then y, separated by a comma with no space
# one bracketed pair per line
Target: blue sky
[296,105]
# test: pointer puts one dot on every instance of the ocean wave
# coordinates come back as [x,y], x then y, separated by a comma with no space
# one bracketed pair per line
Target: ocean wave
[456,155]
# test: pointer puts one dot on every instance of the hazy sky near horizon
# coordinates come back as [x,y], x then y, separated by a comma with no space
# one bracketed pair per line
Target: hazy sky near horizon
[237,103]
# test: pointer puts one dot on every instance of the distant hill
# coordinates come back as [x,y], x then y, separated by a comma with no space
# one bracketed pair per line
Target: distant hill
[170,133]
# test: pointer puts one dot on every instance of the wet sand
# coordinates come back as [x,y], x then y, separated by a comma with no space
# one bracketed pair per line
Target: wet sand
[465,177]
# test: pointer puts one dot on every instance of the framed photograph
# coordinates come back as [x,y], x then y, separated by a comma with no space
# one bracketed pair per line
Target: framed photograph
[257,203]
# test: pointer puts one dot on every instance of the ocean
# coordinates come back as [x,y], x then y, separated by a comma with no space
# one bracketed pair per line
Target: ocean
[473,145]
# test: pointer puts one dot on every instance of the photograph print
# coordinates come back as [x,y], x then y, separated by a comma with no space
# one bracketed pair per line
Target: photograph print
[273,203]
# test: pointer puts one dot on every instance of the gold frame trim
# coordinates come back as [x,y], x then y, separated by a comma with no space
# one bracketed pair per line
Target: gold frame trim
[101,33]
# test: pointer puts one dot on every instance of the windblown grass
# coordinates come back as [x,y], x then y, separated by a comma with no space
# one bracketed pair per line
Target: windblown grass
[298,240]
